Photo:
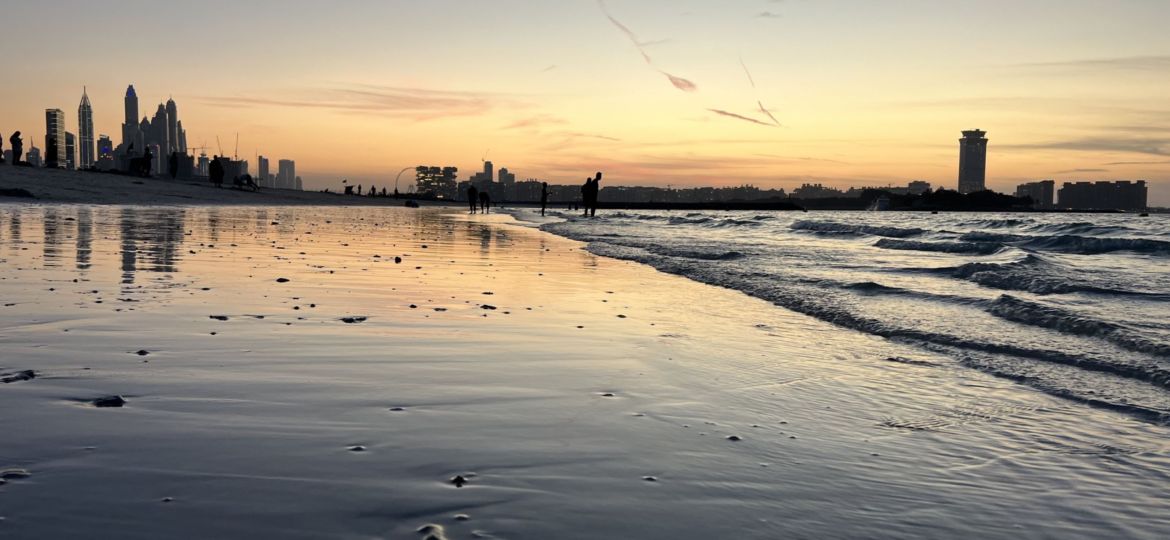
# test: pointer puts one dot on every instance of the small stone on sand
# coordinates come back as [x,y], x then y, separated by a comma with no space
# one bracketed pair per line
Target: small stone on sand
[142,352]
[282,280]
[734,438]
[25,375]
[109,402]
[14,474]
[458,481]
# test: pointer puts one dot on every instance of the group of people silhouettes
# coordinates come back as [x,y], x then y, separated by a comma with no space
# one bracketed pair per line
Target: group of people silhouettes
[482,198]
[480,201]
[17,148]
[589,192]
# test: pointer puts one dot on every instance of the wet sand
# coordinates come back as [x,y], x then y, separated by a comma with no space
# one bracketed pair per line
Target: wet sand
[283,375]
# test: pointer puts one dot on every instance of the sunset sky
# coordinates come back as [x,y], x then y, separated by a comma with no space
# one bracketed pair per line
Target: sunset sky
[863,92]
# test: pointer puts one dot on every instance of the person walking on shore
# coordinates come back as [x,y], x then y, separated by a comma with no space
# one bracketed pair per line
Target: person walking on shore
[17,147]
[485,202]
[543,197]
[472,197]
[1,148]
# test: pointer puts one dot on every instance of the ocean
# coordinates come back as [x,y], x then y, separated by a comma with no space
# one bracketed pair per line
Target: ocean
[1074,305]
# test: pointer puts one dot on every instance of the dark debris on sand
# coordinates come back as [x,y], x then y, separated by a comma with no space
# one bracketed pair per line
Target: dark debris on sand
[108,402]
[19,376]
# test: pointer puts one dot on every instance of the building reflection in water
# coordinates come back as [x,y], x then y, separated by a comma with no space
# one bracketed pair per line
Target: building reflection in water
[154,237]
[84,238]
[51,248]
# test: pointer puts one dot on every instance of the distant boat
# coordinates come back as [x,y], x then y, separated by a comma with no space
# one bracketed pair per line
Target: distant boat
[879,204]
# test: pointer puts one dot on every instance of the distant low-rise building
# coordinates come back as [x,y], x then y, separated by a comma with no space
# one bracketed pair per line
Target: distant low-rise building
[1105,195]
[1042,193]
[816,191]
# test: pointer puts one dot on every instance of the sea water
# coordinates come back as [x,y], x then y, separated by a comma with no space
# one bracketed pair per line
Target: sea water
[1076,305]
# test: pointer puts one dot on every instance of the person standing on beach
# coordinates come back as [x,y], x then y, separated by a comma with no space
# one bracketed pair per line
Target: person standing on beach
[586,190]
[543,197]
[1,148]
[472,197]
[596,189]
[17,147]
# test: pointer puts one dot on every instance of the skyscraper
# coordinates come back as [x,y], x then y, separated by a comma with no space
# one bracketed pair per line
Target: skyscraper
[172,127]
[182,136]
[54,138]
[70,151]
[286,175]
[262,171]
[159,134]
[973,161]
[488,171]
[85,131]
[130,126]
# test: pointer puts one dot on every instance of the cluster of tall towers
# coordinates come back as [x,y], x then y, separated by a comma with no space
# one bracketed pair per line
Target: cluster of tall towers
[163,134]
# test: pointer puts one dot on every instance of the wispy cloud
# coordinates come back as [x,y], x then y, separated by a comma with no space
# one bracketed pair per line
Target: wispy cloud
[1118,163]
[405,102]
[768,15]
[1140,63]
[537,121]
[1156,147]
[1068,171]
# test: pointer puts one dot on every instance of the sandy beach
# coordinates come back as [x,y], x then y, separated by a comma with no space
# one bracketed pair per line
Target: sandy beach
[284,375]
[61,186]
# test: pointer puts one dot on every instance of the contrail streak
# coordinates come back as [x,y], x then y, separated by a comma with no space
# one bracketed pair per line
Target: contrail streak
[759,103]
[740,117]
[749,73]
[765,110]
[678,82]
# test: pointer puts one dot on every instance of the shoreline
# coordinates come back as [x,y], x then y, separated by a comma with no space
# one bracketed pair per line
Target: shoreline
[54,186]
[579,396]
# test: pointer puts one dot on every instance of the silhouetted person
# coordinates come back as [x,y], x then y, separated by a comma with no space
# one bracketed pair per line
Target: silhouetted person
[373,191]
[215,170]
[17,147]
[596,192]
[1,148]
[543,197]
[485,202]
[383,192]
[249,183]
[359,190]
[586,194]
[173,165]
[472,197]
[140,166]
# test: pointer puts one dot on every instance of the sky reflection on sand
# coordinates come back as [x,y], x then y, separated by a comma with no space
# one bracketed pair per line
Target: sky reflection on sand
[247,423]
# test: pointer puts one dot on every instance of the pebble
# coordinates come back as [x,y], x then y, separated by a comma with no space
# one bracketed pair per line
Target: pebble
[353,320]
[14,474]
[142,352]
[458,481]
[26,375]
[109,402]
[734,438]
[461,517]
[432,532]
[218,317]
[650,478]
[282,280]
[357,448]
